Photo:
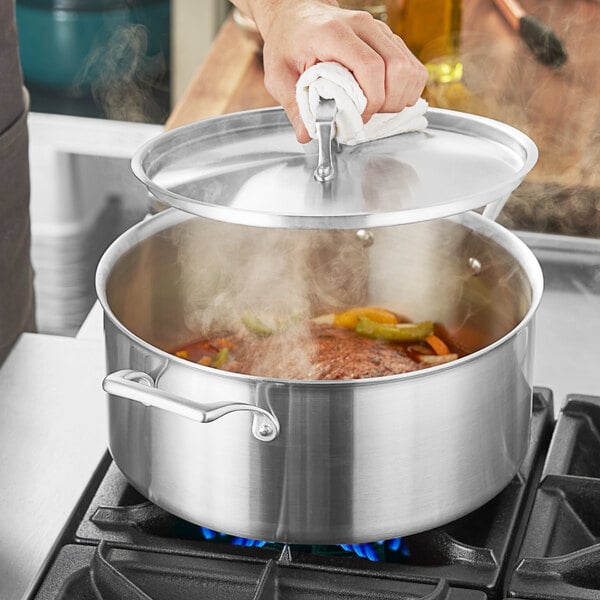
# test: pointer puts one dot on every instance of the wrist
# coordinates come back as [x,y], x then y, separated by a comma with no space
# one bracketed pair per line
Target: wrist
[264,12]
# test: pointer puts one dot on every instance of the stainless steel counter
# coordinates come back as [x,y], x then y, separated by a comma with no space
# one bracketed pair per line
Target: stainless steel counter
[567,342]
[52,436]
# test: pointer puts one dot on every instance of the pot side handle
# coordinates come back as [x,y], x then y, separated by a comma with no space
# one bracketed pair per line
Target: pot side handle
[140,387]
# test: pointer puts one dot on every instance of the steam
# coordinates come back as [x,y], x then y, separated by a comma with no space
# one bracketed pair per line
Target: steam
[271,270]
[123,76]
[279,275]
[286,277]
[502,80]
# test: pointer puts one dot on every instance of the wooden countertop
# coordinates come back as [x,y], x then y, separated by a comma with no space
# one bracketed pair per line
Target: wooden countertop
[558,108]
[230,79]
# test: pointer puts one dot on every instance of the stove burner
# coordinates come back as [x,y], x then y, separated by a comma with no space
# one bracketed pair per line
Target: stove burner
[116,533]
[373,551]
[472,552]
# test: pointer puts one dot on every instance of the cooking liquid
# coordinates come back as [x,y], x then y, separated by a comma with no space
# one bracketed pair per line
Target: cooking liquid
[330,352]
[431,30]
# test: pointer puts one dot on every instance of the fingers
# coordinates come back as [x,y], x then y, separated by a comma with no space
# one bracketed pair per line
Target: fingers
[388,73]
[342,44]
[401,75]
[305,32]
[280,82]
[405,78]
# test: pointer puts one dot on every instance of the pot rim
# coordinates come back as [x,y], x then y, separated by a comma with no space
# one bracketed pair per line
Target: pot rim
[172,216]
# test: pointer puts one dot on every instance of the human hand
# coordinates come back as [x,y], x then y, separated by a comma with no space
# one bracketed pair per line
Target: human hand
[300,33]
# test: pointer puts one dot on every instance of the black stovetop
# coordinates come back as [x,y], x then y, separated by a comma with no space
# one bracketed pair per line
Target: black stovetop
[539,538]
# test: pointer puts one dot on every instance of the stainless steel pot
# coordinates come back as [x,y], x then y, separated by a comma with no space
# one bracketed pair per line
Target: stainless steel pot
[320,461]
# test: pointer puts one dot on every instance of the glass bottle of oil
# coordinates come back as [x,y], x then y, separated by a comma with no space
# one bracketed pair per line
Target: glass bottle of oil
[431,30]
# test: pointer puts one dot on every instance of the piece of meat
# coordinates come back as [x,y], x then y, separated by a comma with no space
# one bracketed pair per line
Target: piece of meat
[317,351]
[342,354]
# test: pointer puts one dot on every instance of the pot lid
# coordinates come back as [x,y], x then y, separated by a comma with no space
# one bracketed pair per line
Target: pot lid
[248,168]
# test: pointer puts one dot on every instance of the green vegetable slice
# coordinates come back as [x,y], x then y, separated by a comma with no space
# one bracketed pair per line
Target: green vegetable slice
[400,332]
[267,325]
[220,358]
[256,325]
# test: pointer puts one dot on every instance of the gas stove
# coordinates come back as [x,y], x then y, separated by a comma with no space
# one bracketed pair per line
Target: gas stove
[539,539]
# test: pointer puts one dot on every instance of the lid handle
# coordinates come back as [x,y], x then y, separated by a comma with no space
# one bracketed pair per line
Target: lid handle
[325,123]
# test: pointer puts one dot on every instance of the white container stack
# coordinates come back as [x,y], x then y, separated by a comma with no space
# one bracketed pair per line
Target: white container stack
[83,195]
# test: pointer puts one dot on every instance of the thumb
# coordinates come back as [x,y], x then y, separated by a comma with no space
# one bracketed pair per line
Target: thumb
[281,84]
[297,123]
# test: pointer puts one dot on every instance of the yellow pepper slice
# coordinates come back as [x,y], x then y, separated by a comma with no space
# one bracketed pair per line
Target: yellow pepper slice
[349,318]
[399,332]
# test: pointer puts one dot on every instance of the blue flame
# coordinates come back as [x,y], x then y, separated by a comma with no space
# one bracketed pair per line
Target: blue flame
[248,543]
[208,534]
[368,551]
[373,551]
[211,534]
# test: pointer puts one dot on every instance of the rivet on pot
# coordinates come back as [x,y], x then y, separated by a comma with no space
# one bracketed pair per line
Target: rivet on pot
[264,429]
[474,265]
[365,237]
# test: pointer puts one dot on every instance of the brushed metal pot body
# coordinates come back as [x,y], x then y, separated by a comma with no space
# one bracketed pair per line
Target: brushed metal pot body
[323,461]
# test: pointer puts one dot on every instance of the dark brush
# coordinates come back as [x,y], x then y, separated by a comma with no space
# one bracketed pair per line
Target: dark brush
[542,41]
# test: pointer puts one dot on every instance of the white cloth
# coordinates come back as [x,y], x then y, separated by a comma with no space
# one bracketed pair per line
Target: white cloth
[330,80]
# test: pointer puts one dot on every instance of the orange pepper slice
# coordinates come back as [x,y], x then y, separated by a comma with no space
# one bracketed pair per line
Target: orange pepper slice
[349,318]
[437,345]
[225,343]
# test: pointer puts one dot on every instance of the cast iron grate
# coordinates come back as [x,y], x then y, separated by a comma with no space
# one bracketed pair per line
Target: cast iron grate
[560,555]
[105,572]
[472,552]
